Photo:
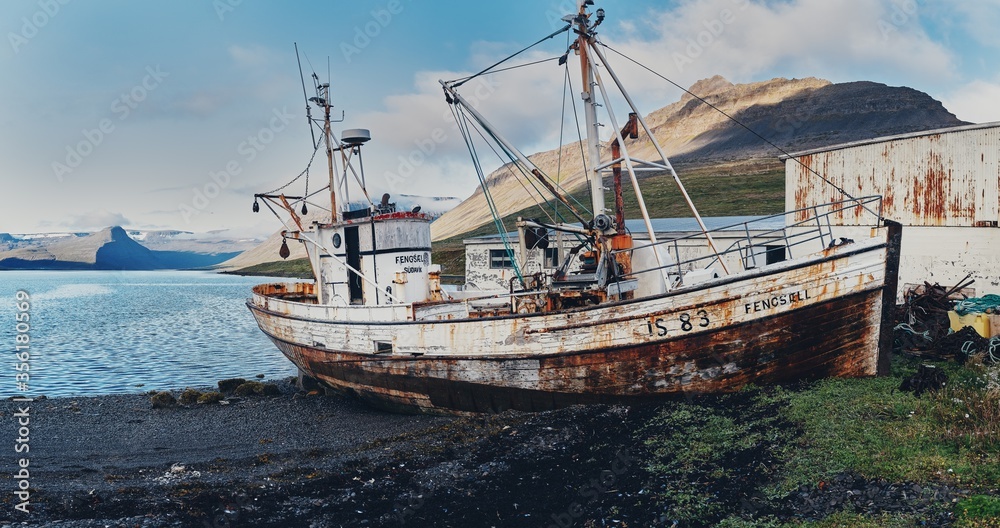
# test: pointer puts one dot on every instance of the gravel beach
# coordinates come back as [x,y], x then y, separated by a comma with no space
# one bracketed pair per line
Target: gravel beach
[111,458]
[317,461]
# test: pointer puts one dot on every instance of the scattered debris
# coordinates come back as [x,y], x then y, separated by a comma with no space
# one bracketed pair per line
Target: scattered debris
[852,492]
[961,345]
[927,378]
[177,473]
[926,326]
[926,317]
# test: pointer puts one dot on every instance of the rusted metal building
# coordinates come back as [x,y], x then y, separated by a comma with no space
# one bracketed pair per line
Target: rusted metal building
[942,185]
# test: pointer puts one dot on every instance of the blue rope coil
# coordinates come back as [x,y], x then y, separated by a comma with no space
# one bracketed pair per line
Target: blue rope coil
[985,304]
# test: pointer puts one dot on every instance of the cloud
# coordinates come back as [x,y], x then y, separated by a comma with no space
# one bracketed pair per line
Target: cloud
[878,40]
[744,41]
[95,220]
[977,101]
[416,145]
[252,57]
[978,20]
[200,104]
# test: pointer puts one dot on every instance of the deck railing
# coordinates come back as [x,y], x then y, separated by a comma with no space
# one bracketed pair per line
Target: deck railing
[804,231]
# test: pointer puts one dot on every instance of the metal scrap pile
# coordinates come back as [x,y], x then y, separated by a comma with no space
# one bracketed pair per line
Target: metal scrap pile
[925,318]
[925,329]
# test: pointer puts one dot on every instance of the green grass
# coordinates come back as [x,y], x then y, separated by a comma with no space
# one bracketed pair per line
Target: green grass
[869,427]
[715,449]
[296,268]
[837,520]
[710,457]
[978,511]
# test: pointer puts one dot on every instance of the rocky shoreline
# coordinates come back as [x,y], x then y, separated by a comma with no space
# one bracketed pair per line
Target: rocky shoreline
[327,461]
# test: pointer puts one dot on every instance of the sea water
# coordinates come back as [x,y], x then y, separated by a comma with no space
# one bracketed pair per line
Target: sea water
[108,332]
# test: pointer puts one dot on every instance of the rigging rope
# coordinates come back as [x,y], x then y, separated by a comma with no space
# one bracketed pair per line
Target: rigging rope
[304,172]
[576,118]
[463,122]
[459,82]
[752,131]
[562,124]
[513,161]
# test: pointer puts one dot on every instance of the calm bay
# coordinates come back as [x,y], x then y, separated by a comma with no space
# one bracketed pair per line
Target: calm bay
[111,332]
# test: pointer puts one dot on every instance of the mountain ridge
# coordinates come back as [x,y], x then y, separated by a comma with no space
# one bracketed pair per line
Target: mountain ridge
[794,114]
[111,248]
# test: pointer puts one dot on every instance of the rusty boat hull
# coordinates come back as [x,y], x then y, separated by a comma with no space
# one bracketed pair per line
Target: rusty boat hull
[828,314]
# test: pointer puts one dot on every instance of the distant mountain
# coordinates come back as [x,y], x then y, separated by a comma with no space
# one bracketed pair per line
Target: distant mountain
[109,249]
[211,243]
[266,251]
[795,114]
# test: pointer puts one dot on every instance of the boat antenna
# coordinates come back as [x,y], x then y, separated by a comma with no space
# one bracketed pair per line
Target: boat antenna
[305,96]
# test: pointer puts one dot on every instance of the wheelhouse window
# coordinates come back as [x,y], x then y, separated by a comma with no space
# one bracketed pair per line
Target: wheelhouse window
[552,257]
[500,259]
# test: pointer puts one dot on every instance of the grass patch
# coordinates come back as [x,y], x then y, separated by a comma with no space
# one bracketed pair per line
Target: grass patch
[744,460]
[715,453]
[715,192]
[450,255]
[869,427]
[296,269]
[837,520]
[978,511]
[854,520]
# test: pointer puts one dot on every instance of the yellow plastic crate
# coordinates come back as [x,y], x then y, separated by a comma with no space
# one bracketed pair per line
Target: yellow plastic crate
[979,322]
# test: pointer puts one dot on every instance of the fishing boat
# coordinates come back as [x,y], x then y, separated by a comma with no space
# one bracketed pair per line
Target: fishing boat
[625,318]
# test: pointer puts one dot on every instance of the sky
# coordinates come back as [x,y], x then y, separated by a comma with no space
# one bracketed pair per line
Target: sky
[172,114]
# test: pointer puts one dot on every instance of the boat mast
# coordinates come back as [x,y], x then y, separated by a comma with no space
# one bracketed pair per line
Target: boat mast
[324,100]
[590,113]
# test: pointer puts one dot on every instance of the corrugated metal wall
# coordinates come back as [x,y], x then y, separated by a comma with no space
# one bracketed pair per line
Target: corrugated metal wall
[945,178]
